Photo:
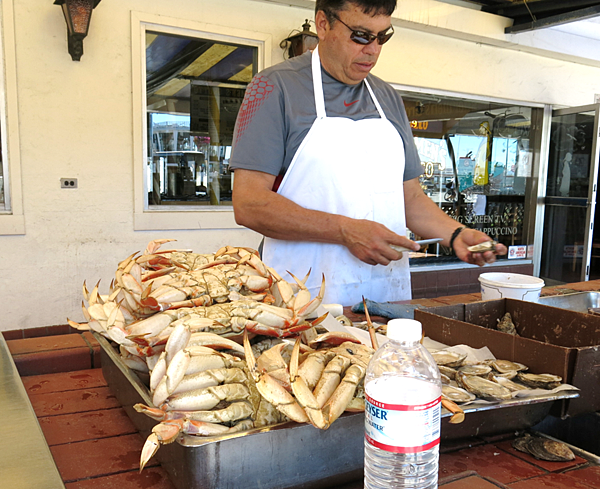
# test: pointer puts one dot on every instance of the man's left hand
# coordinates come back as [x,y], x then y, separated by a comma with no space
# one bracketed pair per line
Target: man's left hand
[470,237]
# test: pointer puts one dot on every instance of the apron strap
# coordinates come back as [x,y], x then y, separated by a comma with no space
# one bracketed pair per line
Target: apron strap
[318,84]
[375,101]
[318,88]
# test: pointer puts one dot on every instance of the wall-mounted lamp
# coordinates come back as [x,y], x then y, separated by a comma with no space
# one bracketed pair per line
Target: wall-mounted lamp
[301,42]
[77,14]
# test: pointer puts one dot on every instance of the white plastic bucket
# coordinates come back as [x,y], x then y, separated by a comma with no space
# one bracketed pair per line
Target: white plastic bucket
[510,285]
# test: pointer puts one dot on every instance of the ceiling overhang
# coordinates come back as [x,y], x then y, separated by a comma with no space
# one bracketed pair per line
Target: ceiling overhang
[528,15]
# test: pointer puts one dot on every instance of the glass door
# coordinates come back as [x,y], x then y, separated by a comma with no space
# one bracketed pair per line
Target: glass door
[568,245]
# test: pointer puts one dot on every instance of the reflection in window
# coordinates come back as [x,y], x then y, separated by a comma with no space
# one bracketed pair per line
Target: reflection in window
[476,159]
[194,91]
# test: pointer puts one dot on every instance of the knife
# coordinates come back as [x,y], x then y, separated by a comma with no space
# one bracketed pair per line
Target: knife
[421,242]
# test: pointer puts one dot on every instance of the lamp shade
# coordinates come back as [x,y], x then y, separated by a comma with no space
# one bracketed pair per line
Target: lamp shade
[78,14]
[303,41]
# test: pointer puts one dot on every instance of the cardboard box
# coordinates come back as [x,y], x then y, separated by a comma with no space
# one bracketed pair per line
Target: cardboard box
[551,340]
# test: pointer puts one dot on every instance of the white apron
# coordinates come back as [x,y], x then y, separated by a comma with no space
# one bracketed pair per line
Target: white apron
[355,169]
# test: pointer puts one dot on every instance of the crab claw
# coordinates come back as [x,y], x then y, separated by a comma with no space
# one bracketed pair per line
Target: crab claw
[156,244]
[303,394]
[150,447]
[302,306]
[162,434]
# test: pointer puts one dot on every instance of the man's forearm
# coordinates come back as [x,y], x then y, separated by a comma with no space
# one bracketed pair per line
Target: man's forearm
[259,208]
[278,217]
[424,217]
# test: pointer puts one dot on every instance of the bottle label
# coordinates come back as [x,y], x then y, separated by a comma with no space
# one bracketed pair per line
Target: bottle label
[402,428]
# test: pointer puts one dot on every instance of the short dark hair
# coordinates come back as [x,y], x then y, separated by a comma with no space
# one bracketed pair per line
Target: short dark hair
[369,7]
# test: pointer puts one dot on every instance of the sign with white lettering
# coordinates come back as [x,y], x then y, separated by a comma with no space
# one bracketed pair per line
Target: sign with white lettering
[517,252]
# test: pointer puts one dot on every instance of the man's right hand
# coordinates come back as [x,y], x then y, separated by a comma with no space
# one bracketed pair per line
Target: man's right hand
[370,241]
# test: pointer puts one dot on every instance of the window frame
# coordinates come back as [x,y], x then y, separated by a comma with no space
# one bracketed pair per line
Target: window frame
[12,219]
[174,217]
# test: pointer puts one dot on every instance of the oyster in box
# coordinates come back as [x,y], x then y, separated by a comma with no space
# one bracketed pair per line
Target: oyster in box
[456,394]
[506,366]
[477,369]
[483,388]
[551,340]
[540,381]
[448,358]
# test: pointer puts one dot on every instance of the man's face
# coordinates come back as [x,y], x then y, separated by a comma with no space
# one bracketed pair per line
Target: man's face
[343,58]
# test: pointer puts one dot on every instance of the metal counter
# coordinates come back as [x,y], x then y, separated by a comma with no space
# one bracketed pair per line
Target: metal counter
[26,461]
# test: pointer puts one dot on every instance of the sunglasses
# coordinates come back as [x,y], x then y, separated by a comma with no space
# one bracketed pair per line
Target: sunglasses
[364,38]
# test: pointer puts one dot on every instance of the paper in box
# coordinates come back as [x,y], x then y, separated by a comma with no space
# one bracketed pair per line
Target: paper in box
[551,340]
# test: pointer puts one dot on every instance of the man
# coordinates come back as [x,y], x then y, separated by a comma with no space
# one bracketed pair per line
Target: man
[341,139]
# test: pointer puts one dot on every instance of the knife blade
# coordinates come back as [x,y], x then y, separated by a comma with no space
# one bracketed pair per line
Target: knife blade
[421,242]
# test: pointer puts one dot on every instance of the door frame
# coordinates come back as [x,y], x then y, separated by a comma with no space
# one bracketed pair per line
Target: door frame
[592,191]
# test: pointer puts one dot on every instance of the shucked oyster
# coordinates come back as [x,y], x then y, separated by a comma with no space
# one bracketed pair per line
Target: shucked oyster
[447,371]
[483,247]
[540,381]
[477,369]
[509,384]
[511,374]
[504,366]
[483,388]
[456,394]
[448,358]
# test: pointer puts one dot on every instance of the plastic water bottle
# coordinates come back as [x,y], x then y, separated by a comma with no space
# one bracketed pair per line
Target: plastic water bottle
[402,416]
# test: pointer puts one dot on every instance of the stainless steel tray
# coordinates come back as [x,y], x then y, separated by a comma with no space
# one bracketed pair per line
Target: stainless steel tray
[292,455]
[577,301]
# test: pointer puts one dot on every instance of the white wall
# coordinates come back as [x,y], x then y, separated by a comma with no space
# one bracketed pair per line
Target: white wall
[75,119]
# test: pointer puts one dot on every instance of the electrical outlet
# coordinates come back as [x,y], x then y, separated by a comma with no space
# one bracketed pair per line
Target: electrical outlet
[68,183]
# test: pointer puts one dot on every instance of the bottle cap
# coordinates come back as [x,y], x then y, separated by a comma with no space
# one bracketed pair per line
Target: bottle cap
[404,330]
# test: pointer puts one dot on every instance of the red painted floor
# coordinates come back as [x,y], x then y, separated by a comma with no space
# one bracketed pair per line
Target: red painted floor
[95,445]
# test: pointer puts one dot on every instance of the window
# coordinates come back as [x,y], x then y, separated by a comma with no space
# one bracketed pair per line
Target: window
[190,84]
[477,159]
[12,221]
[194,89]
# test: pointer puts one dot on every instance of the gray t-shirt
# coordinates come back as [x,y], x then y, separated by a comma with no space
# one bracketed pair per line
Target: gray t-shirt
[279,109]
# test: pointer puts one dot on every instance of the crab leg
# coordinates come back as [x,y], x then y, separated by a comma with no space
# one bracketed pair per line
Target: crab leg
[330,379]
[178,340]
[214,341]
[208,398]
[159,371]
[176,369]
[210,378]
[344,393]
[234,412]
[304,396]
[313,366]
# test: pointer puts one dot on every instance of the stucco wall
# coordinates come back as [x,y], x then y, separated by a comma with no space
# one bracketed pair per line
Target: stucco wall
[75,119]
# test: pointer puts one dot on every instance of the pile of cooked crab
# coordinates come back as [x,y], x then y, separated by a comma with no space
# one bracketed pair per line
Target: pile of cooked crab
[224,343]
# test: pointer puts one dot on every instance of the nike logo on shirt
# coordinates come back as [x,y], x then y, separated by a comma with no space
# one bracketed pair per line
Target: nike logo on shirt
[349,104]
